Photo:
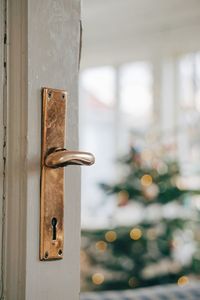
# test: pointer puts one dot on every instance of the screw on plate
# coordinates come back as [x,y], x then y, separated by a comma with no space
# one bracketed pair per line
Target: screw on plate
[49,95]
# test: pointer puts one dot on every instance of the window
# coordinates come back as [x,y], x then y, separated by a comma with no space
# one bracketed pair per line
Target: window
[113,103]
[136,93]
[189,70]
[97,92]
[136,101]
[189,114]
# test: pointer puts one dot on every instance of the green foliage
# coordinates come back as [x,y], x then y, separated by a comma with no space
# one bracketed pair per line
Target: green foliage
[163,174]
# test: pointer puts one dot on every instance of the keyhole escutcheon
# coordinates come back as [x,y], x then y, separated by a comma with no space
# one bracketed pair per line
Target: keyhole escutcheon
[54,223]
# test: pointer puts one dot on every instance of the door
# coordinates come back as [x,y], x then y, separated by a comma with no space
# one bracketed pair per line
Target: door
[41,50]
[2,81]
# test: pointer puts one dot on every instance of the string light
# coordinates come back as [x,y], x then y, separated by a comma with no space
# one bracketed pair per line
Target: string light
[162,168]
[151,192]
[146,180]
[101,246]
[151,234]
[132,282]
[110,236]
[135,234]
[98,278]
[183,280]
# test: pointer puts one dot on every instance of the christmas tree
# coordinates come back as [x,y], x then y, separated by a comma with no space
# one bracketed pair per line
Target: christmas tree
[162,247]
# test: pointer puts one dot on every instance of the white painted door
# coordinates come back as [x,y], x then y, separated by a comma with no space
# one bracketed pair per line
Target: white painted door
[41,49]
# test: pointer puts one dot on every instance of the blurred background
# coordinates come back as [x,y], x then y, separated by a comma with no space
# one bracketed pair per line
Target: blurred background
[140,115]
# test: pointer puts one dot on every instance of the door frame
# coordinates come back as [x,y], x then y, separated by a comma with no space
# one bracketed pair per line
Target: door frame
[42,50]
[2,136]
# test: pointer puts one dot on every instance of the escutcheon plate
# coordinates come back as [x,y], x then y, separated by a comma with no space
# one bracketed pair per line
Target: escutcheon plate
[52,180]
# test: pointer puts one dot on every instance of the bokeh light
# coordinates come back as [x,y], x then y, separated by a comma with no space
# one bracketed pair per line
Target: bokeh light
[183,280]
[162,168]
[110,236]
[98,278]
[135,234]
[101,246]
[151,234]
[132,282]
[146,180]
[123,197]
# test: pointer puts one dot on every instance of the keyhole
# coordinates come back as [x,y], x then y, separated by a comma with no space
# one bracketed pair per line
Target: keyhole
[54,223]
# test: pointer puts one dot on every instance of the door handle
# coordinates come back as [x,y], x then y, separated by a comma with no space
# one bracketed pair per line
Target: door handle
[59,158]
[53,158]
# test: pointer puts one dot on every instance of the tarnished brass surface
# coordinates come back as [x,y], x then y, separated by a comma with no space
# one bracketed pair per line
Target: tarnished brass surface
[52,180]
[62,157]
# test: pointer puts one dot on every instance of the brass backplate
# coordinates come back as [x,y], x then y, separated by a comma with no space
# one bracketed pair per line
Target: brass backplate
[52,180]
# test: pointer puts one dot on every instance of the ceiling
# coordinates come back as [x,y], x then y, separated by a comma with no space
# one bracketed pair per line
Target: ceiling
[115,31]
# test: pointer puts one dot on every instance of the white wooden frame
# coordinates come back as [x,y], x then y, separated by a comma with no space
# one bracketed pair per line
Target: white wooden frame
[43,50]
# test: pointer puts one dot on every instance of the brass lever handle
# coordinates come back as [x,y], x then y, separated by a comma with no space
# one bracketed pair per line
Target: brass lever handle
[63,157]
